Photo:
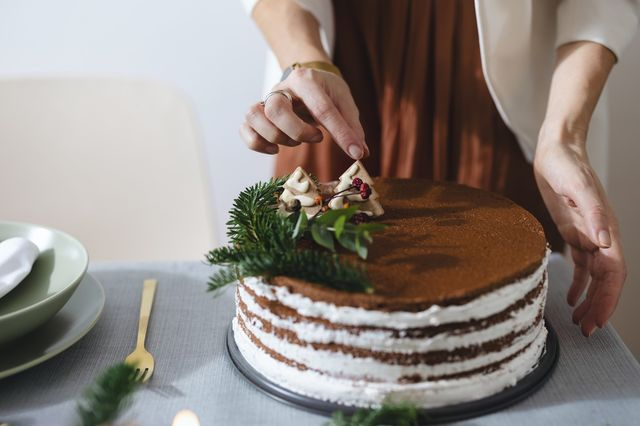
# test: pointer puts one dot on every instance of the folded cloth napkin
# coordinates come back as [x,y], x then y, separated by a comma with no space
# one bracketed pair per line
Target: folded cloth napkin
[16,259]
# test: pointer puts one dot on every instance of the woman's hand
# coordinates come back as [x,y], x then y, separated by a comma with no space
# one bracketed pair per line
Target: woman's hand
[579,207]
[320,98]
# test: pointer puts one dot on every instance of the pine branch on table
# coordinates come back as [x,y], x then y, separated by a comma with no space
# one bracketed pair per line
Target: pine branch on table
[389,414]
[108,396]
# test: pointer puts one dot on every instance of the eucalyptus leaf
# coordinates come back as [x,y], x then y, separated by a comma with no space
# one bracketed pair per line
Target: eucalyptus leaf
[322,236]
[338,226]
[301,224]
[330,216]
[361,248]
[348,239]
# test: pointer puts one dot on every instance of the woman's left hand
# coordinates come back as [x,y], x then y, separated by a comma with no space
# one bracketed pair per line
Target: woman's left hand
[579,207]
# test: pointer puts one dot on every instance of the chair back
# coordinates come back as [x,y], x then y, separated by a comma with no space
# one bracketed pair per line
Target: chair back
[117,163]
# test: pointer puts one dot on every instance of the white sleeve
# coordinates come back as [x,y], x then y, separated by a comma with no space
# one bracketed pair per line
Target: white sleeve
[612,23]
[322,10]
[249,5]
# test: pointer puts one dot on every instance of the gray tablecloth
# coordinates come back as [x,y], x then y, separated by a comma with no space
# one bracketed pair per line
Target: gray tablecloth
[597,380]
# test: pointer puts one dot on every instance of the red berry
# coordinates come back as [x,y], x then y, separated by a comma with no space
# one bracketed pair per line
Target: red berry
[365,191]
[356,182]
[360,218]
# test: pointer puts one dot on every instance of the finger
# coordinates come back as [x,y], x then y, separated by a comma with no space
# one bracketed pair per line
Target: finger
[608,285]
[580,275]
[580,311]
[279,111]
[256,142]
[587,326]
[257,119]
[593,211]
[325,112]
[349,110]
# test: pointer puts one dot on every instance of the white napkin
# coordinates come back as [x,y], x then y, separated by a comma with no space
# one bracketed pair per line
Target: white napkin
[16,259]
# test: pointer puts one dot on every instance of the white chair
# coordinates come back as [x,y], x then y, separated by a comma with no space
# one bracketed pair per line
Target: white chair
[117,163]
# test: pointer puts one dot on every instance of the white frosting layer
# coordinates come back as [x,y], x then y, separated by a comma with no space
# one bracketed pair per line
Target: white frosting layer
[383,341]
[346,365]
[363,393]
[480,307]
[366,381]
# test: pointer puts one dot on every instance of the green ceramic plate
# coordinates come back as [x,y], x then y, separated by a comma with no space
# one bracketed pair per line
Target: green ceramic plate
[68,326]
[55,276]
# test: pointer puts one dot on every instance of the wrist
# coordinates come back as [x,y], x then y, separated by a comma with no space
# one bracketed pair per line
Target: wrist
[563,131]
[304,54]
[324,66]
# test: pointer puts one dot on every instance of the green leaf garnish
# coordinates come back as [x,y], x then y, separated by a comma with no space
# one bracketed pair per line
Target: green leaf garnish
[322,236]
[108,396]
[264,243]
[301,224]
[338,226]
[330,216]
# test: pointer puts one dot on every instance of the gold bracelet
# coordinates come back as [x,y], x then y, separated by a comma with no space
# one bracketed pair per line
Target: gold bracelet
[316,65]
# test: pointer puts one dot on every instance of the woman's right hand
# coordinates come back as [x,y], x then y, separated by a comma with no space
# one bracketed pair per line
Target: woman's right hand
[320,98]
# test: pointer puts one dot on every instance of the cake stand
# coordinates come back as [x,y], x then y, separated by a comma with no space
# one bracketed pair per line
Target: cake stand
[521,390]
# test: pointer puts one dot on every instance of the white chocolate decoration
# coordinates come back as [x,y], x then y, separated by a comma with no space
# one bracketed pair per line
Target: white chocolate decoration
[370,206]
[301,187]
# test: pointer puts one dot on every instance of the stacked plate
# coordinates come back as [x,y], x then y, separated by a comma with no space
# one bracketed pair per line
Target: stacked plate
[53,307]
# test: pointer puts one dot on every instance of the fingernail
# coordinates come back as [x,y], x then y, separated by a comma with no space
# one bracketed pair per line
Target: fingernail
[604,238]
[317,137]
[355,152]
[271,149]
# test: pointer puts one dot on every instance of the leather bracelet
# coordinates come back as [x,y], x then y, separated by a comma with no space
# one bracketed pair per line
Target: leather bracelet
[316,65]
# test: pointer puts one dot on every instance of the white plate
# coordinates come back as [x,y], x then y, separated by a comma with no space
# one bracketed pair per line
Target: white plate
[68,326]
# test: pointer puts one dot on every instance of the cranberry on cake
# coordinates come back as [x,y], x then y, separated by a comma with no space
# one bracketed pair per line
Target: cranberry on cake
[447,307]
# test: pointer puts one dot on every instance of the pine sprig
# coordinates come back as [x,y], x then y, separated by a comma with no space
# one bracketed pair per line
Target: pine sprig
[389,414]
[250,210]
[265,243]
[311,265]
[108,396]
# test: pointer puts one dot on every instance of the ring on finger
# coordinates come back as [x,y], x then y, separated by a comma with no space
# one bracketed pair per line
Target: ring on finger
[277,92]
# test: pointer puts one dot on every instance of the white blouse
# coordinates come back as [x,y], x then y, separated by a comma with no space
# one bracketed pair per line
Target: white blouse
[518,39]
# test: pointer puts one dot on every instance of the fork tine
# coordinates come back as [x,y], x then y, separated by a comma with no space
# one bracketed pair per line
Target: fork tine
[144,374]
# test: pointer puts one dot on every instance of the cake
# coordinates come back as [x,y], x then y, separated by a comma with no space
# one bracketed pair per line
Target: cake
[456,313]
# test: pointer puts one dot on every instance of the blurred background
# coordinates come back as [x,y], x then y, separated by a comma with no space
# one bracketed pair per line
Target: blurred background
[139,104]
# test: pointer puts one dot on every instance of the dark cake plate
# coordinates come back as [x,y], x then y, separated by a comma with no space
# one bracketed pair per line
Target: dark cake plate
[525,387]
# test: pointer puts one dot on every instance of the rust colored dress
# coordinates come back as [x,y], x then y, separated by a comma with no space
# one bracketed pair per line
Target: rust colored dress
[415,73]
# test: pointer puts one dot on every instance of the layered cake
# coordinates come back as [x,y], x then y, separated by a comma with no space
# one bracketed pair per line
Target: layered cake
[456,313]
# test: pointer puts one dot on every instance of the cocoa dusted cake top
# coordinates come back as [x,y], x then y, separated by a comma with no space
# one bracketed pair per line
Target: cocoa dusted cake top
[445,244]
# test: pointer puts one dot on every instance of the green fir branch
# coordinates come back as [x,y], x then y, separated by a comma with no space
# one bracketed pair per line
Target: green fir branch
[265,243]
[109,396]
[311,265]
[222,278]
[250,209]
[389,414]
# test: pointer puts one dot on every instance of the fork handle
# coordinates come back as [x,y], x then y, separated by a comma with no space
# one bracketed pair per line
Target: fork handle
[148,291]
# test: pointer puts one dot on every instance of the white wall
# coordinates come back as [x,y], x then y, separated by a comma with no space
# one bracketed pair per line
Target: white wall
[211,51]
[624,184]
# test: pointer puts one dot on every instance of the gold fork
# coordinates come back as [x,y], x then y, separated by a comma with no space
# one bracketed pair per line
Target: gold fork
[140,357]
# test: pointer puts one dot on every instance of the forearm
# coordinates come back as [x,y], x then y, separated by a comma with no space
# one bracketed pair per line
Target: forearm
[291,31]
[580,74]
